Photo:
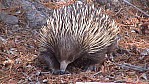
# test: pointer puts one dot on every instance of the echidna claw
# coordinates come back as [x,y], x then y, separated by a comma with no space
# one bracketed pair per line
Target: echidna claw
[60,72]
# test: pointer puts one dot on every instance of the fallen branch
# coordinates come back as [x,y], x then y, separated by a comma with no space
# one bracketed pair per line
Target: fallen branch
[129,66]
[136,8]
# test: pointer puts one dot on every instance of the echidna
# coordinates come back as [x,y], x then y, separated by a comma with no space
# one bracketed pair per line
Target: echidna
[74,32]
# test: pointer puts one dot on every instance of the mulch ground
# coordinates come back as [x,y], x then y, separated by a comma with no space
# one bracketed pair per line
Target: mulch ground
[19,50]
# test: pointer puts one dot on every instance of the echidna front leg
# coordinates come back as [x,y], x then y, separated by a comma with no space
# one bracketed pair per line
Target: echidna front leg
[50,60]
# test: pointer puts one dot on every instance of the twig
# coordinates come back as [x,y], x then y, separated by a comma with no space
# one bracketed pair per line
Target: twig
[97,73]
[119,11]
[46,72]
[129,66]
[136,8]
[28,77]
[4,54]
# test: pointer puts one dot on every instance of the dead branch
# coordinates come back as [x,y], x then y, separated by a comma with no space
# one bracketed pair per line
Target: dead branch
[136,8]
[129,66]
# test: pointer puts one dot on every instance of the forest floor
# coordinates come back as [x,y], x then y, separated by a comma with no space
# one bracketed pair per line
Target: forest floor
[19,50]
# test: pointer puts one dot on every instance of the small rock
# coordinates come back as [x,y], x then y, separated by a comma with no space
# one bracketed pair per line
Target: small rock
[107,79]
[144,76]
[144,28]
[2,16]
[34,17]
[135,31]
[8,62]
[12,51]
[9,19]
[145,52]
[38,73]
[18,61]
[36,14]
[29,66]
[45,81]
[2,40]
[38,82]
